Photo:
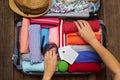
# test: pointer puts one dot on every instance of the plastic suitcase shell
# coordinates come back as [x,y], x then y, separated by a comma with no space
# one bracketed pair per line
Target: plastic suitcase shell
[81,15]
[16,54]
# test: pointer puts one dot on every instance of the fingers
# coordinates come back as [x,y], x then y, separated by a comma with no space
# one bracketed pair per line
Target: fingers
[50,54]
[81,25]
[77,25]
[84,23]
[88,25]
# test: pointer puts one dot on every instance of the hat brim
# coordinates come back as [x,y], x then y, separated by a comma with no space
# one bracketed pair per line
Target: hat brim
[14,7]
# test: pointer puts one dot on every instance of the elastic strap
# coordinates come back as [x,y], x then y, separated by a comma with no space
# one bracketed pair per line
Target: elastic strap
[16,55]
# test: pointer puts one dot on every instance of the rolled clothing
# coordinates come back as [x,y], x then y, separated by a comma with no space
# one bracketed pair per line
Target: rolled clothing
[76,39]
[70,27]
[24,37]
[54,35]
[50,21]
[78,48]
[25,57]
[34,45]
[44,36]
[26,65]
[88,56]
[85,67]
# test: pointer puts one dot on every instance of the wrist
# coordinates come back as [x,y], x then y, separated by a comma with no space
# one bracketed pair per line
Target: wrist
[47,76]
[94,42]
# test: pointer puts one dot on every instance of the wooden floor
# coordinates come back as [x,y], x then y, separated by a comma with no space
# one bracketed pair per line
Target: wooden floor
[110,13]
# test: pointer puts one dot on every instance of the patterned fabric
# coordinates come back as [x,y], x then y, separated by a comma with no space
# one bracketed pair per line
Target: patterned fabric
[74,6]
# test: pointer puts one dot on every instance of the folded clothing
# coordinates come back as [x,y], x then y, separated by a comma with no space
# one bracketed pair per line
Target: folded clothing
[75,39]
[70,27]
[38,67]
[88,56]
[26,65]
[25,57]
[85,67]
[54,35]
[50,21]
[78,48]
[24,38]
[34,45]
[44,36]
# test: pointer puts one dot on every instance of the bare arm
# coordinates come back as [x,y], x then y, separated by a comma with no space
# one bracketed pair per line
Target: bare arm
[50,64]
[88,35]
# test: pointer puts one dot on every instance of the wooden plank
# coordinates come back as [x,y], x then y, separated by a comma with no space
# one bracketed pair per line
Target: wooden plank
[111,13]
[101,75]
[92,76]
[112,17]
[18,75]
[28,77]
[58,77]
[69,77]
[7,41]
[101,11]
[82,77]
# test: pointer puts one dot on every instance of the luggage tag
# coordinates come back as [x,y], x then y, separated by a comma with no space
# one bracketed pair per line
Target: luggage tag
[68,54]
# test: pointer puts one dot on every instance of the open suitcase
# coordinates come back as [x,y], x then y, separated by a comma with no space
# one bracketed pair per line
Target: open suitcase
[64,19]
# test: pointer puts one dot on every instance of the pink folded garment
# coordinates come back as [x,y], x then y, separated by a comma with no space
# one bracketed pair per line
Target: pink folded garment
[75,39]
[85,67]
[47,21]
[69,27]
[54,35]
[24,38]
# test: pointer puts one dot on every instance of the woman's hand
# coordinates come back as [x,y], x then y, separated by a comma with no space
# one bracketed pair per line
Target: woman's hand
[50,64]
[85,31]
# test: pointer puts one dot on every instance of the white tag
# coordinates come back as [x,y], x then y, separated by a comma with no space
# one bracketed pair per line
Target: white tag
[68,54]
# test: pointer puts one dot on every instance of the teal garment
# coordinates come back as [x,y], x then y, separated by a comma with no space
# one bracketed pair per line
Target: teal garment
[32,67]
[27,67]
[44,36]
[53,3]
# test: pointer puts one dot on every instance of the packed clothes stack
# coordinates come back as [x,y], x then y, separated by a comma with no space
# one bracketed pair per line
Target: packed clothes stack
[87,60]
[37,33]
[34,35]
